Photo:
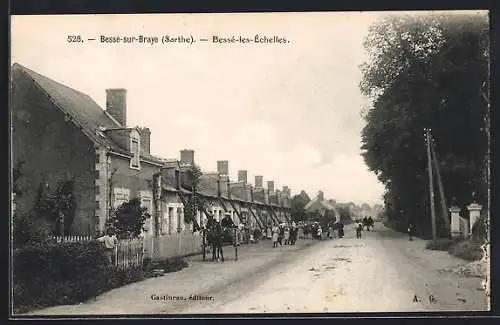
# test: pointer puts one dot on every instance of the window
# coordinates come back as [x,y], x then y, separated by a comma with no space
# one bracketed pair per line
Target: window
[179,219]
[170,220]
[135,149]
[97,158]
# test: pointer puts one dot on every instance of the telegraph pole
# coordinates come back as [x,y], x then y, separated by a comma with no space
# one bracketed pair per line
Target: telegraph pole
[431,182]
[444,209]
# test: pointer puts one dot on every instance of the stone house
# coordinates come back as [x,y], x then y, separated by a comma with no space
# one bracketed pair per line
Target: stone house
[61,133]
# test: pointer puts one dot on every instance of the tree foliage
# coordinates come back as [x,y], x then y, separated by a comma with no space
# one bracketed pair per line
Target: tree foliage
[127,221]
[426,71]
[298,203]
[195,202]
[52,207]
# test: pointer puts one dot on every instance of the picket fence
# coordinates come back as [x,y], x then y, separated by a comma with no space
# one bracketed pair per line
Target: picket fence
[129,253]
[72,239]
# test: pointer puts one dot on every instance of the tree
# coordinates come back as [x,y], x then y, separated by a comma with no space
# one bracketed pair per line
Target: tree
[63,206]
[27,228]
[298,203]
[16,175]
[195,202]
[128,219]
[426,71]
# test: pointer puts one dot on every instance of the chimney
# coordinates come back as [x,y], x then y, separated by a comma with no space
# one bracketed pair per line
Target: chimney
[270,186]
[242,176]
[145,139]
[223,167]
[259,181]
[321,196]
[116,104]
[187,157]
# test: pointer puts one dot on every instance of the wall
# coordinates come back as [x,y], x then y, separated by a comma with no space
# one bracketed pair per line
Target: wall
[128,183]
[50,147]
[132,179]
[172,213]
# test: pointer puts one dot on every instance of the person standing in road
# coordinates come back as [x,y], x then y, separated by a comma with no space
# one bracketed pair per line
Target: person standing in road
[110,244]
[341,229]
[320,232]
[281,234]
[359,229]
[269,233]
[410,231]
[275,236]
[287,236]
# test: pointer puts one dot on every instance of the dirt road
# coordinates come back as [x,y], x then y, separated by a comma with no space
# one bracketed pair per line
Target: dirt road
[382,272]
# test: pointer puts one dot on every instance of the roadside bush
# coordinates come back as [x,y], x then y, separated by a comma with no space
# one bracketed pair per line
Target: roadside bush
[480,230]
[170,265]
[441,244]
[469,250]
[64,273]
[68,273]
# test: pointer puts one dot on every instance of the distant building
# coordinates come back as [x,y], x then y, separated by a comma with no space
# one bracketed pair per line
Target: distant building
[321,206]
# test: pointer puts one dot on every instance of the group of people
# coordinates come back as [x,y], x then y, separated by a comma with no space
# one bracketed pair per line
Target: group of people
[284,235]
[368,223]
[361,224]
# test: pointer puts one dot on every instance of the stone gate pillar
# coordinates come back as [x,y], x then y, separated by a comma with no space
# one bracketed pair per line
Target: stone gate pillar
[474,212]
[455,221]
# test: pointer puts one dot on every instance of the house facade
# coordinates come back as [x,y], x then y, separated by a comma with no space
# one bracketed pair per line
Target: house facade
[62,134]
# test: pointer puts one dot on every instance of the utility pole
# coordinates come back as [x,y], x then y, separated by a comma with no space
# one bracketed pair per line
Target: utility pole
[431,182]
[442,197]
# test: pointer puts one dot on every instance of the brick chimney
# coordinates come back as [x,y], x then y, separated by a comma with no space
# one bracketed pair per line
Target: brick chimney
[321,196]
[145,139]
[242,176]
[259,181]
[187,157]
[116,104]
[270,186]
[223,167]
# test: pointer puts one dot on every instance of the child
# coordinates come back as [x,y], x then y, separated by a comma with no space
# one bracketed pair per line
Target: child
[287,236]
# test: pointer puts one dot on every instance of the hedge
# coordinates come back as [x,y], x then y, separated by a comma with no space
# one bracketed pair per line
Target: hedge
[68,273]
[64,273]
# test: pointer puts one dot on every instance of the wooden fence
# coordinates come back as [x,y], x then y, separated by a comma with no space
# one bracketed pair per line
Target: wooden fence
[177,244]
[129,253]
[71,239]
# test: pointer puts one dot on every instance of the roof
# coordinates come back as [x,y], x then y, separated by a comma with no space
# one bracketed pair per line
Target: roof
[316,204]
[82,108]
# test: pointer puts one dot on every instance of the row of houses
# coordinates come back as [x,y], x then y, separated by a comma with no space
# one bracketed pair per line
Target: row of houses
[60,133]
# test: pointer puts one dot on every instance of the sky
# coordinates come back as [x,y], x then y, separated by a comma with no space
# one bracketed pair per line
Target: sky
[290,112]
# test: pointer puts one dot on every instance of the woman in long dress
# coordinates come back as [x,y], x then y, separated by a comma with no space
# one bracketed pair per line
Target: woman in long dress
[275,236]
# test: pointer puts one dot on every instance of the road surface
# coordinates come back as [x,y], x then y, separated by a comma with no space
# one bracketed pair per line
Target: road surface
[381,272]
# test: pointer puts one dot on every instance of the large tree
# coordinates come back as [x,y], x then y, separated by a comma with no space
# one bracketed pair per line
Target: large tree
[298,203]
[427,71]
